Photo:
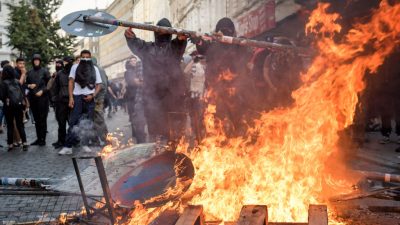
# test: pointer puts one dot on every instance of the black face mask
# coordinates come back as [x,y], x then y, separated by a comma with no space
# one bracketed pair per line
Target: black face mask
[85,74]
[68,66]
[162,39]
[36,67]
[58,68]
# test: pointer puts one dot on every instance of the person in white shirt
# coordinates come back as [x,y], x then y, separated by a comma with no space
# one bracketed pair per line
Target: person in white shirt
[84,85]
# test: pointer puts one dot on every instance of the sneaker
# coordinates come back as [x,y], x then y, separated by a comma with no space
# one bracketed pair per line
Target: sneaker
[86,148]
[25,147]
[384,140]
[17,144]
[65,151]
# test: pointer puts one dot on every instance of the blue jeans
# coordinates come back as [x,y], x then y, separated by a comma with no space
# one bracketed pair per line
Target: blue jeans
[80,122]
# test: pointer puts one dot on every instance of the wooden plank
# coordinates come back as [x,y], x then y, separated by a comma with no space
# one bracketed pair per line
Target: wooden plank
[317,215]
[253,215]
[192,215]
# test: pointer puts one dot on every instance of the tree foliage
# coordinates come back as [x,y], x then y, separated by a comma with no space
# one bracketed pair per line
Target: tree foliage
[33,29]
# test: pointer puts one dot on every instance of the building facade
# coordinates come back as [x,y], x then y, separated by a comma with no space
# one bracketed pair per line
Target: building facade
[253,18]
[88,43]
[6,52]
[113,50]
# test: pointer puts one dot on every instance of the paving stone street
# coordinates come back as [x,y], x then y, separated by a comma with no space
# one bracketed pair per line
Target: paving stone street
[42,162]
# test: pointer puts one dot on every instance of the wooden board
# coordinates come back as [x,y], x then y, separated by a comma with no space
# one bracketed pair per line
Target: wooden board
[192,215]
[253,215]
[317,215]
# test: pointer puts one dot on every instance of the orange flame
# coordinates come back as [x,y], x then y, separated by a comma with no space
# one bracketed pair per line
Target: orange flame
[114,143]
[288,159]
[286,167]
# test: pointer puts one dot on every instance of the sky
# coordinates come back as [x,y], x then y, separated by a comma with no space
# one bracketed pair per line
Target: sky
[69,6]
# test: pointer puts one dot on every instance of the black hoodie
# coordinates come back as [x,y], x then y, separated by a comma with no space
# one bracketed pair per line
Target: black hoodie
[162,73]
[39,76]
[60,87]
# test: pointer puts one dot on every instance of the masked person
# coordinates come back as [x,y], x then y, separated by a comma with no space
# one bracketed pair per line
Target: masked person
[227,76]
[60,95]
[164,84]
[36,81]
[83,87]
[99,122]
[134,82]
[59,66]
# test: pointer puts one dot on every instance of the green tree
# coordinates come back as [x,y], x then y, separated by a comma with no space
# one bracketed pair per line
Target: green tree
[33,29]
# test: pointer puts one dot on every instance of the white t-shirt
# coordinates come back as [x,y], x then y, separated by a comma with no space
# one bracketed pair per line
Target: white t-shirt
[78,90]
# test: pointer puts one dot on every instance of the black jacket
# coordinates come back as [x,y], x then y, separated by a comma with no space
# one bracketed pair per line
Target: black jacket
[40,77]
[4,87]
[60,87]
[161,65]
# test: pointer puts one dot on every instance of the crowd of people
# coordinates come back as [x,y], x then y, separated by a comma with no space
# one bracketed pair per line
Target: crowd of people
[241,81]
[71,91]
[161,92]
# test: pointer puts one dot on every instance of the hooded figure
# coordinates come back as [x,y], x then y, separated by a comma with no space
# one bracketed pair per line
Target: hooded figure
[36,82]
[164,84]
[69,62]
[162,39]
[230,99]
[226,26]
[60,97]
[59,65]
[133,76]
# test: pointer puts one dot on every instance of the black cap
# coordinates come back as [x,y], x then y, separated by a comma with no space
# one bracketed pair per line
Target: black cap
[37,56]
[164,22]
[68,59]
[226,26]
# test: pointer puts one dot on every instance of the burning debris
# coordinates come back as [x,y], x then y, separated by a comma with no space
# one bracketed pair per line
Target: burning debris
[294,160]
[288,157]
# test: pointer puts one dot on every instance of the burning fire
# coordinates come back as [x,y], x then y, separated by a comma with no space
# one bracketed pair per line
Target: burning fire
[288,160]
[114,143]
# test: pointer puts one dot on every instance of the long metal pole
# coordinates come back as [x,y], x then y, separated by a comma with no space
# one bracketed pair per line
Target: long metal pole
[204,36]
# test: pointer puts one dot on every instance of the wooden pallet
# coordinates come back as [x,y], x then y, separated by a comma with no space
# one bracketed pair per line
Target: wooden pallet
[252,215]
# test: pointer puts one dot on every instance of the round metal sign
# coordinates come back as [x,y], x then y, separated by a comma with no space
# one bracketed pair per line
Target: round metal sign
[74,24]
[153,178]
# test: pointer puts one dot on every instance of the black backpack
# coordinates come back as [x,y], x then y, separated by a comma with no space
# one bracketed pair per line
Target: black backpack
[14,93]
